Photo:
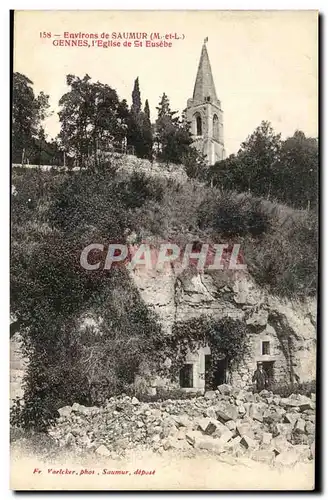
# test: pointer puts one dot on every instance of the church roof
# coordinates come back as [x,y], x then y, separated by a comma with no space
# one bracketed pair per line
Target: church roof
[204,84]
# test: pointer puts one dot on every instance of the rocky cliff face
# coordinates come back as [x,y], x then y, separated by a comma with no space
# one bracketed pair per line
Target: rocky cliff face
[290,324]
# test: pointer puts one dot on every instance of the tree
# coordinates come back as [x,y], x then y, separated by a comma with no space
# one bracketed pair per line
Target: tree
[91,117]
[28,113]
[269,167]
[51,292]
[139,125]
[173,134]
[136,98]
[258,155]
[297,171]
[147,131]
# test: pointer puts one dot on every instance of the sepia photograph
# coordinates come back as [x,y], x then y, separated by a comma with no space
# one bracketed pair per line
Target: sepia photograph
[164,250]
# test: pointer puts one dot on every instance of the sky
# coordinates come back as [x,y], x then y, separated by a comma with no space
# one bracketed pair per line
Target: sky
[264,63]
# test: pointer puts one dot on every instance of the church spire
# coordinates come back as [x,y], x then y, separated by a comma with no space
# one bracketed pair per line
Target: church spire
[204,84]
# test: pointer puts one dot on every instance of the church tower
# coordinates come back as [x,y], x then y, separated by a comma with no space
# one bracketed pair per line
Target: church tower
[204,113]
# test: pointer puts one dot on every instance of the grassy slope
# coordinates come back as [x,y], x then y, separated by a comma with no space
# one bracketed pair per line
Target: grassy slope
[279,243]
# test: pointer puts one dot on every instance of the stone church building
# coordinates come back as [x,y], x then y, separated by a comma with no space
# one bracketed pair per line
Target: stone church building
[205,114]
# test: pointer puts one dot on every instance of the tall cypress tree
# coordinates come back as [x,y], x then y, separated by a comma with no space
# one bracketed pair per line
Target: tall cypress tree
[136,97]
[139,130]
[147,131]
[147,110]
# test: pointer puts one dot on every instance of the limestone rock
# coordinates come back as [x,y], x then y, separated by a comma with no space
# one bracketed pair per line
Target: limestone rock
[310,428]
[290,418]
[210,444]
[299,427]
[226,436]
[226,412]
[193,437]
[209,395]
[225,389]
[279,444]
[216,428]
[65,411]
[265,456]
[287,458]
[249,443]
[266,438]
[245,430]
[103,451]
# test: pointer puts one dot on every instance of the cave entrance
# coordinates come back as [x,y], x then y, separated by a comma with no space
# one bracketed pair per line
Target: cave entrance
[268,367]
[215,375]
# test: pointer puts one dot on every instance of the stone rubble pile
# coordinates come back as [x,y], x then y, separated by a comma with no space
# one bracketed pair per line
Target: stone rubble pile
[264,427]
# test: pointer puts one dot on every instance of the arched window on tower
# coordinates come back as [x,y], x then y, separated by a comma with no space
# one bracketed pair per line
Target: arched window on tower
[198,124]
[216,127]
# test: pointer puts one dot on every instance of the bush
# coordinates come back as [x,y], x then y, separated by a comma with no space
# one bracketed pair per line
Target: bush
[50,294]
[163,394]
[286,390]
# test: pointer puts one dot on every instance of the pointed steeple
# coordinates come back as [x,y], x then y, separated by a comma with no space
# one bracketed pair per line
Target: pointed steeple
[204,84]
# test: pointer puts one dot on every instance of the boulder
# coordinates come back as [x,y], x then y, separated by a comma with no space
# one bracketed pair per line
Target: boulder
[287,458]
[289,402]
[265,393]
[271,417]
[65,411]
[193,437]
[210,412]
[266,438]
[103,451]
[291,418]
[310,428]
[226,436]
[231,425]
[245,430]
[202,424]
[225,389]
[76,407]
[280,444]
[216,428]
[210,444]
[303,451]
[135,401]
[310,405]
[172,443]
[182,420]
[265,456]
[284,430]
[249,443]
[69,440]
[299,427]
[226,413]
[210,395]
[256,411]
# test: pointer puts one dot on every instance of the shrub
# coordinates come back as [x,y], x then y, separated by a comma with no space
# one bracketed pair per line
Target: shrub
[226,336]
[286,390]
[163,394]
